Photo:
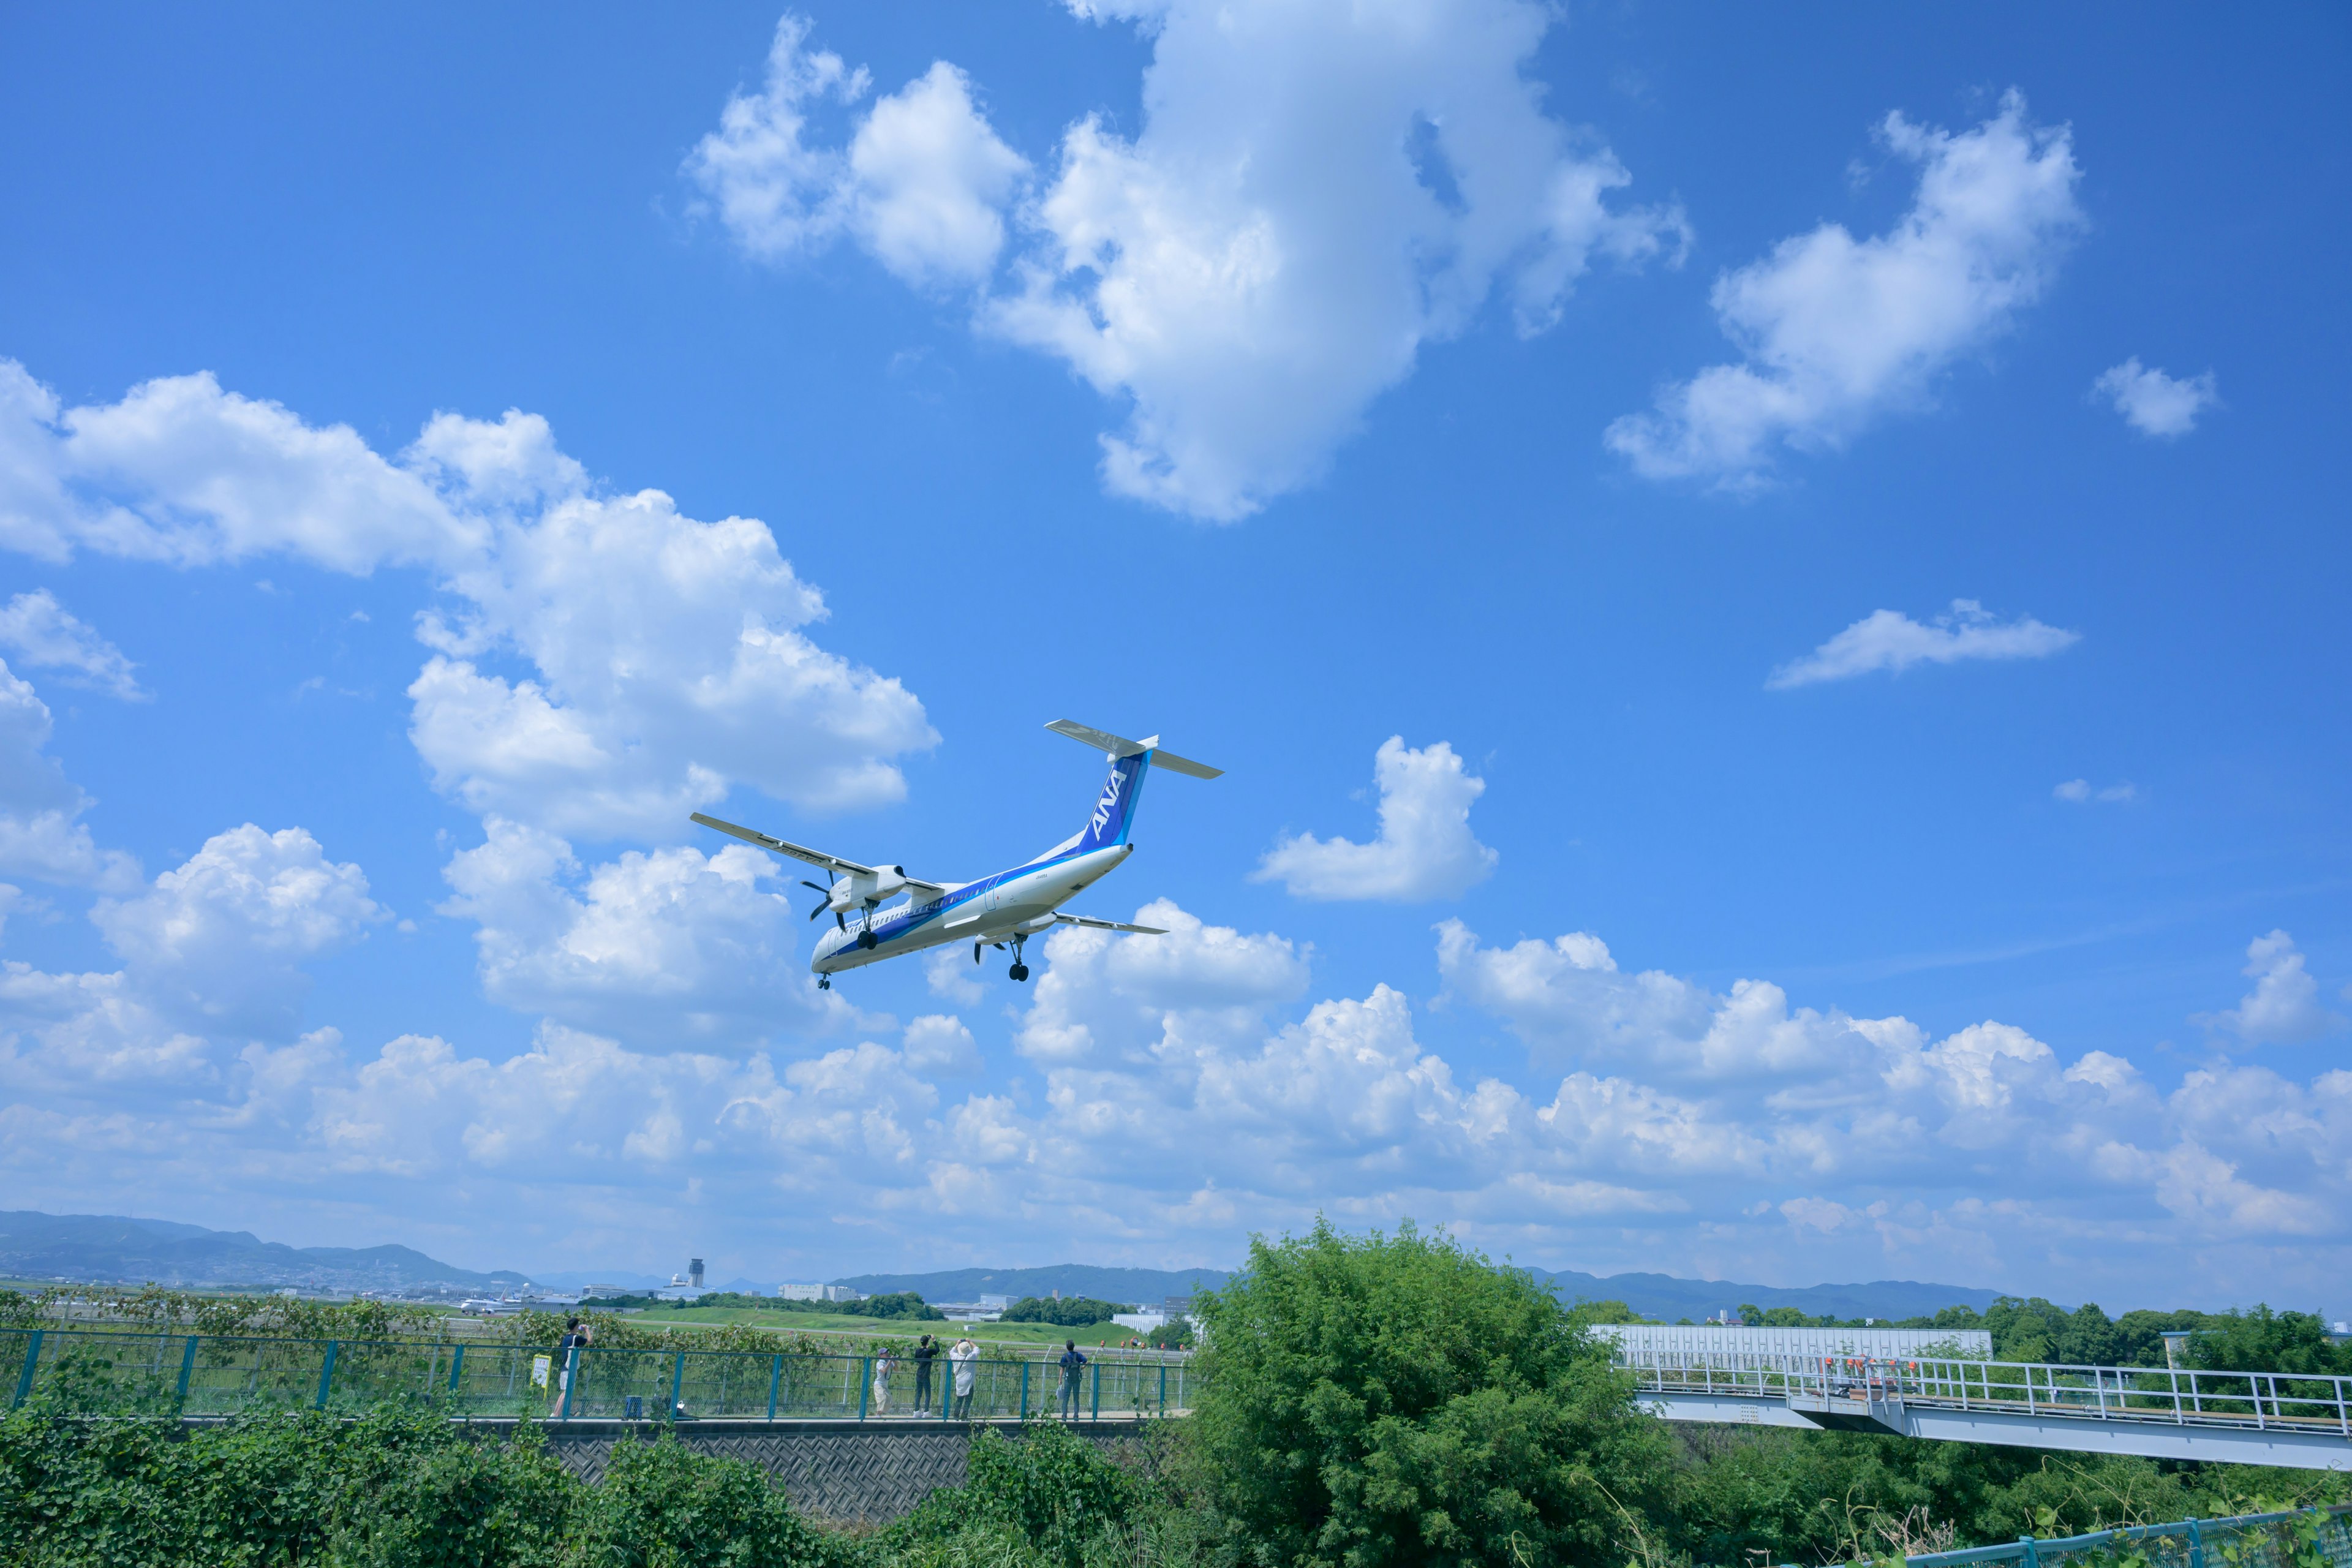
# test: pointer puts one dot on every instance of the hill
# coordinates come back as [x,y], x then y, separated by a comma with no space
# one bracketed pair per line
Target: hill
[1651,1295]
[118,1249]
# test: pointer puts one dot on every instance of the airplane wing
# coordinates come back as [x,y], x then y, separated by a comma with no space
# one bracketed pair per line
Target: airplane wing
[1110,925]
[813,857]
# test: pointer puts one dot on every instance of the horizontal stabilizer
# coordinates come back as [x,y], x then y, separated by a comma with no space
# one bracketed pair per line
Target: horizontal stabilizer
[1110,925]
[1120,746]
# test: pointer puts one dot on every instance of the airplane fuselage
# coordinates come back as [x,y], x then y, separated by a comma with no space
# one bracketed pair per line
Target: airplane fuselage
[1018,902]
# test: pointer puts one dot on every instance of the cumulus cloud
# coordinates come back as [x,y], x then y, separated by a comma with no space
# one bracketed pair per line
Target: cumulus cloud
[921,186]
[670,665]
[220,938]
[43,636]
[1425,848]
[670,950]
[41,833]
[1184,1089]
[1315,192]
[667,657]
[2080,792]
[1890,641]
[2283,1007]
[2155,404]
[1836,332]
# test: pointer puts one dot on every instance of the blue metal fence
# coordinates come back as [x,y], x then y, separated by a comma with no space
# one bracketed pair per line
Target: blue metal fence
[86,1372]
[2300,1538]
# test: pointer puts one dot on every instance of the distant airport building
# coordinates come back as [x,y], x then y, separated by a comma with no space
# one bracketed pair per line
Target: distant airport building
[818,1293]
[1714,1344]
[693,1272]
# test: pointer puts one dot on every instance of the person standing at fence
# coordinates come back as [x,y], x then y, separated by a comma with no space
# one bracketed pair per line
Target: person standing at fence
[1074,1362]
[925,1353]
[884,1365]
[960,1359]
[567,1356]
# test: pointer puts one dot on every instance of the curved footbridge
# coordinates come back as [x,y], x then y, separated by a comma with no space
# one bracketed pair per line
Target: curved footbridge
[2225,1417]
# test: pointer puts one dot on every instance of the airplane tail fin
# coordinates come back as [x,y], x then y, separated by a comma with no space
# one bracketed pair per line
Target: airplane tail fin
[1114,811]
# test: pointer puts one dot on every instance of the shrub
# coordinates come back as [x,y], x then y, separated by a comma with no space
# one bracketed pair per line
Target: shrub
[1396,1400]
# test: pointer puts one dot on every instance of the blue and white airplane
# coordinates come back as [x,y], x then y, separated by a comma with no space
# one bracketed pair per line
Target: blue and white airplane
[1007,909]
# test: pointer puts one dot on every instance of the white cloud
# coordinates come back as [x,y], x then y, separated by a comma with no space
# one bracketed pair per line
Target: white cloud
[940,1045]
[922,186]
[1315,191]
[2153,402]
[41,834]
[219,939]
[1103,998]
[667,656]
[43,636]
[1837,331]
[952,976]
[670,665]
[668,949]
[2283,1007]
[1425,848]
[1887,639]
[1186,1089]
[2079,792]
[187,474]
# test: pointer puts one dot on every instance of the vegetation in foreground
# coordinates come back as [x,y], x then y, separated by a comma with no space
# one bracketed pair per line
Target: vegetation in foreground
[1373,1401]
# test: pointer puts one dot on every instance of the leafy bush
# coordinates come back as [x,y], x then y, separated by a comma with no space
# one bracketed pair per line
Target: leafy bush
[1395,1399]
[1066,1311]
[662,1507]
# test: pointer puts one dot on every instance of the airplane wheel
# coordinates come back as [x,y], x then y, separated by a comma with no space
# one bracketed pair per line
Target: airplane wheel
[868,939]
[1019,971]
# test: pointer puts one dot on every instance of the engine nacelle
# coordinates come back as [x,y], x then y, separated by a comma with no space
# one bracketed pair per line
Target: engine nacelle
[862,890]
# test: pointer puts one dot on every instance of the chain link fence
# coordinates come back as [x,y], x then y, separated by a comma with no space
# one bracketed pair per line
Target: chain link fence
[94,1373]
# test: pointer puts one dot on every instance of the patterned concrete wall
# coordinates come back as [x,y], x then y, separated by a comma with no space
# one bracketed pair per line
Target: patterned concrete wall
[843,1471]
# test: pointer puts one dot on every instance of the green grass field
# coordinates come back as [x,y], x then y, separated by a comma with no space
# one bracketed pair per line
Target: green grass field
[1011,1335]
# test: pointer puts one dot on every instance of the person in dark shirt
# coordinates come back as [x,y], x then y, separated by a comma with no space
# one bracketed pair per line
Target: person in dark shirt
[1072,1362]
[567,1358]
[924,1354]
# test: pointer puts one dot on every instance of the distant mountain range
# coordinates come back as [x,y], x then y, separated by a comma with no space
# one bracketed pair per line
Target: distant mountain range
[87,1248]
[114,1249]
[1649,1295]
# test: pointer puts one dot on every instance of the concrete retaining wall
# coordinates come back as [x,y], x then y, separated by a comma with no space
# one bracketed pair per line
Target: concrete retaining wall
[845,1471]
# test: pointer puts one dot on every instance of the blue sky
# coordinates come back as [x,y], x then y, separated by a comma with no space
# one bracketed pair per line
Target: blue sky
[1841,516]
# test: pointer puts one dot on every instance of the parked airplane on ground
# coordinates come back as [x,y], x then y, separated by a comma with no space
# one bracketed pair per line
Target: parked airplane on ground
[1006,908]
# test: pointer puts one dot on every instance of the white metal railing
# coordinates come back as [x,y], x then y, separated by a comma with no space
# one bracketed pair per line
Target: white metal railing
[2297,1401]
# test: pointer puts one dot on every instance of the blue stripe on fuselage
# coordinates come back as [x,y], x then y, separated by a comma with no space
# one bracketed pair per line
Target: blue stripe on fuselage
[902,922]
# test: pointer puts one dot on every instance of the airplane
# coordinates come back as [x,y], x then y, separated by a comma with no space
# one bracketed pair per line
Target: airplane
[1006,908]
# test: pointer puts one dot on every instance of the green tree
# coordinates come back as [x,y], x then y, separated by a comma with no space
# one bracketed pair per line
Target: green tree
[1068,1312]
[1396,1399]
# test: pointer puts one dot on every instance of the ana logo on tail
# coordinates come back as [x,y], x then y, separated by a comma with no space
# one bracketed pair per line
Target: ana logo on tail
[1109,800]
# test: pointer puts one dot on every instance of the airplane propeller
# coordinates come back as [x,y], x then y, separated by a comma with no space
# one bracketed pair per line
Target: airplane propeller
[828,901]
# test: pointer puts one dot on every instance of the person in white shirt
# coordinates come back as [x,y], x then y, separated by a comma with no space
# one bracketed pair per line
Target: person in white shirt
[963,1359]
[884,1365]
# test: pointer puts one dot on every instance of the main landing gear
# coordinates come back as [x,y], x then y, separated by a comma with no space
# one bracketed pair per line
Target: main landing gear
[1018,971]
